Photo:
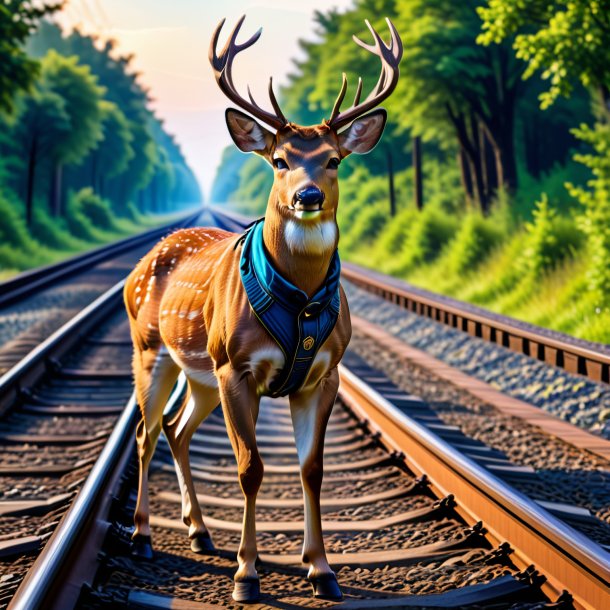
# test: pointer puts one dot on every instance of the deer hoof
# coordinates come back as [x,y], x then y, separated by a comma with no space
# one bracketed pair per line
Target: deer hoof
[141,547]
[247,591]
[326,586]
[202,544]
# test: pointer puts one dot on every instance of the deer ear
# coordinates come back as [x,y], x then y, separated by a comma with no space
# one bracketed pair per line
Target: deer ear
[247,134]
[364,133]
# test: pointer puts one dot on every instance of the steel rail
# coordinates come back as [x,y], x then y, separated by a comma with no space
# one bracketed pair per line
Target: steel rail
[577,357]
[29,282]
[31,368]
[567,559]
[48,583]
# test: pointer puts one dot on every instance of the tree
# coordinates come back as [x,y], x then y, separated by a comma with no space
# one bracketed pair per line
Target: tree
[41,122]
[451,85]
[82,95]
[18,19]
[113,154]
[567,40]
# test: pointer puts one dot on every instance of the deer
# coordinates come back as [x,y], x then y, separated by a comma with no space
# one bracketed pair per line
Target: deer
[192,309]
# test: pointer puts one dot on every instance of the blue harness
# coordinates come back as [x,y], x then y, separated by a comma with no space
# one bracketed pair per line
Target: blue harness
[298,324]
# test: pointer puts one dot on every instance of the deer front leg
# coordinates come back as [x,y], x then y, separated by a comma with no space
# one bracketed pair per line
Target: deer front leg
[240,403]
[310,410]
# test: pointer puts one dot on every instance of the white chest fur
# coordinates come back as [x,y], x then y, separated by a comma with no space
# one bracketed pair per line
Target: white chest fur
[310,238]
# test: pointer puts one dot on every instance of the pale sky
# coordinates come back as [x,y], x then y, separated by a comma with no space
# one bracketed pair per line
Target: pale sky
[170,41]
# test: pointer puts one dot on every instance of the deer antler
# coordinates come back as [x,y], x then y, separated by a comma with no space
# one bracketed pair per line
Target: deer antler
[222,65]
[390,58]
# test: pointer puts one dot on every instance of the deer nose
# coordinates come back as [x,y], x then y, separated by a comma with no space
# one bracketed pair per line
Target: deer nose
[310,196]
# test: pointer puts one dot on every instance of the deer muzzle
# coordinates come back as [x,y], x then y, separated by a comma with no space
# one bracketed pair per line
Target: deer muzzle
[309,199]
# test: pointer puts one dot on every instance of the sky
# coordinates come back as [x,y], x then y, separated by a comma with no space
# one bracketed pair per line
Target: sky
[170,42]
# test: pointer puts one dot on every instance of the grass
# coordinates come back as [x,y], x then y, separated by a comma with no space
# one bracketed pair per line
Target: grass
[52,240]
[537,269]
[559,298]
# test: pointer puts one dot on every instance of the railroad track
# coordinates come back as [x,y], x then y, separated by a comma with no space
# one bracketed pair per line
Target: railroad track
[61,391]
[411,507]
[397,525]
[35,303]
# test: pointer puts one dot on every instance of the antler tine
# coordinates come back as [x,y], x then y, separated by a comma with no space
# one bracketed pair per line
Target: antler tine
[214,60]
[358,92]
[222,65]
[396,42]
[339,100]
[390,57]
[274,103]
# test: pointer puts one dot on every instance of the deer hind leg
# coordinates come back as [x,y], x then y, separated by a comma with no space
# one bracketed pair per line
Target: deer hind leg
[179,428]
[240,404]
[310,410]
[155,375]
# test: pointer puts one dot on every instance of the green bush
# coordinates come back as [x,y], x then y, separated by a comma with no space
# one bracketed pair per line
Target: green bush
[475,238]
[13,230]
[130,212]
[550,239]
[594,221]
[430,231]
[51,232]
[78,224]
[95,209]
[395,232]
[366,228]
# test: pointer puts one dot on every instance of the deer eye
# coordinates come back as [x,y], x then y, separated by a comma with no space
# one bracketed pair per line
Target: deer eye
[333,163]
[279,163]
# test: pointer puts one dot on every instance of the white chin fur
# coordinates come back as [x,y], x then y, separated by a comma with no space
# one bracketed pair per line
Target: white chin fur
[314,238]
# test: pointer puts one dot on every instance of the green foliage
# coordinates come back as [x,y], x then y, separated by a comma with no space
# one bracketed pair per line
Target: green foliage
[366,227]
[77,87]
[429,233]
[475,238]
[53,234]
[565,39]
[115,151]
[226,181]
[549,240]
[76,221]
[394,233]
[553,184]
[95,209]
[13,231]
[18,19]
[595,220]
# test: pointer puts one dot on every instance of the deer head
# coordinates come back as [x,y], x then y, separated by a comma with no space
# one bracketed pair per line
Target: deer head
[305,190]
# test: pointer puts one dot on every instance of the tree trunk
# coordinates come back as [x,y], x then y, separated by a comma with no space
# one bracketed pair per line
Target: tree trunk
[29,199]
[56,198]
[94,174]
[465,177]
[391,191]
[507,156]
[489,167]
[418,187]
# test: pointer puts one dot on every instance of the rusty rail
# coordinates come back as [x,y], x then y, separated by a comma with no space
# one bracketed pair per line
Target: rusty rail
[567,559]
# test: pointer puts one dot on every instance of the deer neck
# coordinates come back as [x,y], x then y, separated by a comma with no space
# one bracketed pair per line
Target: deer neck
[301,251]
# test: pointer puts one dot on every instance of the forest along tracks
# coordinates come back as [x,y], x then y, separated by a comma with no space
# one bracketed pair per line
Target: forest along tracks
[35,303]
